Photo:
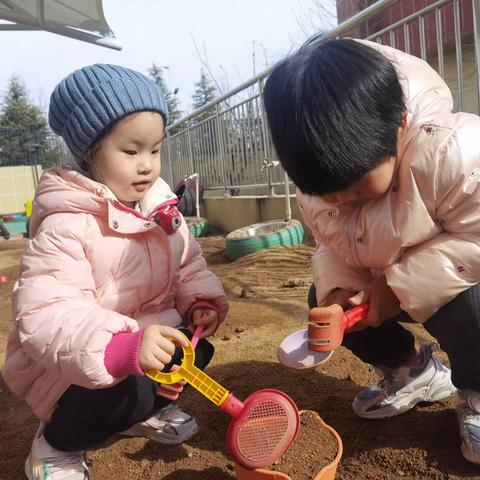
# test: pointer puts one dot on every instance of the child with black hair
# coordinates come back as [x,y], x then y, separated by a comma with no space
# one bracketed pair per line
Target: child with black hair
[388,183]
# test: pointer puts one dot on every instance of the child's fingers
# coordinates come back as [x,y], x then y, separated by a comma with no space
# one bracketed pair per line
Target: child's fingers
[358,299]
[151,362]
[209,330]
[160,356]
[373,316]
[208,318]
[166,391]
[339,296]
[174,387]
[173,336]
[172,391]
[205,317]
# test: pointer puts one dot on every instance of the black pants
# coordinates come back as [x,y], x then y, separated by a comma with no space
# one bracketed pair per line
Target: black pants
[85,418]
[456,326]
[4,232]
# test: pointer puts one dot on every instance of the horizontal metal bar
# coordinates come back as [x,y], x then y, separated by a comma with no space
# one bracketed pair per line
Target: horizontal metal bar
[411,18]
[350,23]
[243,102]
[244,187]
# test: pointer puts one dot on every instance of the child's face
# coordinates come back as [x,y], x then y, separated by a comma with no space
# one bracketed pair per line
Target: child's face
[128,158]
[372,185]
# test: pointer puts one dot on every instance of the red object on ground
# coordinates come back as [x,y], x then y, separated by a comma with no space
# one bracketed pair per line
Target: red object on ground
[326,325]
[5,279]
[8,218]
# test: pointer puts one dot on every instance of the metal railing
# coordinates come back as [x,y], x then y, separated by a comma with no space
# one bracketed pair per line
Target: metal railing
[31,146]
[231,149]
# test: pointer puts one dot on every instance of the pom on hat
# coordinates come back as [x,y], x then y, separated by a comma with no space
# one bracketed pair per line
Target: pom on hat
[88,100]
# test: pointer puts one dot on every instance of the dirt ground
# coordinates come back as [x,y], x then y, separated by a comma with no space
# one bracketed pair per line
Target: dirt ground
[267,293]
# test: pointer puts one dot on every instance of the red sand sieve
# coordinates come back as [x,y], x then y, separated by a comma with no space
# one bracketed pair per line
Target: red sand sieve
[263,426]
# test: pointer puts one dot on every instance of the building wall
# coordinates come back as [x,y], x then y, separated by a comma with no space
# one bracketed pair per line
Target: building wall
[402,9]
[229,213]
[17,184]
[470,95]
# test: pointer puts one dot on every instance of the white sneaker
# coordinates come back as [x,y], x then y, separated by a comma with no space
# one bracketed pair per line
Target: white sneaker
[48,463]
[468,413]
[171,425]
[400,389]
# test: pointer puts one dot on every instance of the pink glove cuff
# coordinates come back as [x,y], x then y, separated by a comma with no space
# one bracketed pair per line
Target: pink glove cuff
[122,354]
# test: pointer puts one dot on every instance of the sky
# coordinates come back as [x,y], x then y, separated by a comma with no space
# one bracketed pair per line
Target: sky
[228,32]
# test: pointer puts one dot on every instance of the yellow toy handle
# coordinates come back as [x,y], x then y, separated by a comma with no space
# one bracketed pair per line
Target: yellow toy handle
[193,376]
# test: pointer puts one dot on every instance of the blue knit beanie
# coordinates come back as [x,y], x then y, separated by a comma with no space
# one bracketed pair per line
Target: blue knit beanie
[88,100]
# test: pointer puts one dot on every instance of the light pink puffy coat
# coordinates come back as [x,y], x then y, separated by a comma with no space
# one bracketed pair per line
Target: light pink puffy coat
[424,233]
[91,270]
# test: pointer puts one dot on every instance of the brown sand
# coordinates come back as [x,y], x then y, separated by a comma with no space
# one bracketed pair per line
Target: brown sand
[314,449]
[267,292]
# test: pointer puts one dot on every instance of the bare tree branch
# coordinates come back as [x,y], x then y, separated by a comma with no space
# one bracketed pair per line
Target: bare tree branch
[319,16]
[203,59]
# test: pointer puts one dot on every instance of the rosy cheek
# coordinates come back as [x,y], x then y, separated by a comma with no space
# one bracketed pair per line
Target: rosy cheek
[374,192]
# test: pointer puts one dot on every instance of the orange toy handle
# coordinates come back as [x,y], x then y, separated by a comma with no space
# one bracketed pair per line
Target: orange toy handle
[354,315]
[327,325]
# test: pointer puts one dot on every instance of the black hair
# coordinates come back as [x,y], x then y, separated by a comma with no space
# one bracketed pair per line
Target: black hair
[87,163]
[334,111]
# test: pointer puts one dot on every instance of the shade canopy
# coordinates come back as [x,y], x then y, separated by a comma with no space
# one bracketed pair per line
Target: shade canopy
[83,20]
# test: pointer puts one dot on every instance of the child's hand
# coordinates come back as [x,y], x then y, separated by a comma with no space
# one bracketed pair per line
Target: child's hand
[340,297]
[382,302]
[171,391]
[207,317]
[158,346]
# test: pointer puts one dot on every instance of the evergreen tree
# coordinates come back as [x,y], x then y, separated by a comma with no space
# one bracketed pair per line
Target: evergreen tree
[23,128]
[204,93]
[174,113]
[204,141]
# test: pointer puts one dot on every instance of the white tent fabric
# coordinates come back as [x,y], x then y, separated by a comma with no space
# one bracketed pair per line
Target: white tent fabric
[83,20]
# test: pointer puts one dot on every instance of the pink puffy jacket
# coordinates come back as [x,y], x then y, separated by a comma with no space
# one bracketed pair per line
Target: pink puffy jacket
[93,269]
[424,233]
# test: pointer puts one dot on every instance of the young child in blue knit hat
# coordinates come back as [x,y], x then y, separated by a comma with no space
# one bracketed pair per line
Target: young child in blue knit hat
[110,274]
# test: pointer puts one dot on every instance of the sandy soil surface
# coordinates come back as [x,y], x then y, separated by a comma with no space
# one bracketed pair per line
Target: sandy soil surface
[267,292]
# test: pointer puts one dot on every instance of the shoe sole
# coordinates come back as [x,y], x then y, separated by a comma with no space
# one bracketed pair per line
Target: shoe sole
[163,439]
[409,401]
[28,468]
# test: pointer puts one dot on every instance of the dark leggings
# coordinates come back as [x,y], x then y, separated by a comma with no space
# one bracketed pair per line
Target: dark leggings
[456,326]
[85,418]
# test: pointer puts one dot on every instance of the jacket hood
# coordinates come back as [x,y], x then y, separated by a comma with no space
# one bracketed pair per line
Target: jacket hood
[62,190]
[426,94]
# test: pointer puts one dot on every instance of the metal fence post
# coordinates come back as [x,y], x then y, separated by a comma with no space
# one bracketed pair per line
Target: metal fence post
[476,42]
[221,147]
[190,151]
[266,152]
[169,155]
